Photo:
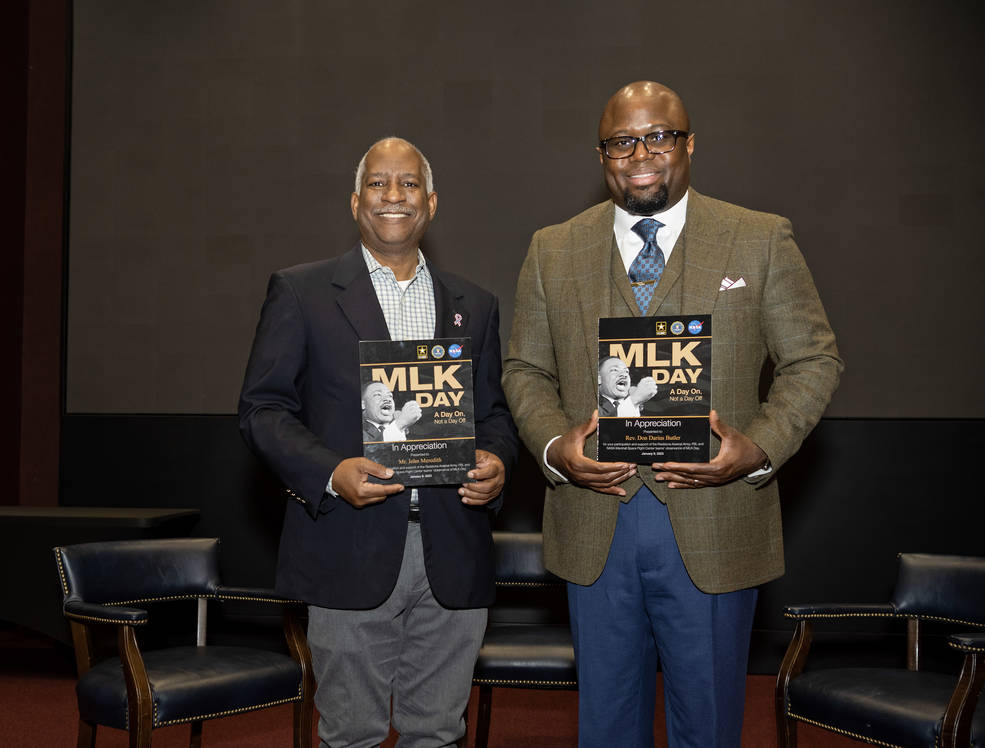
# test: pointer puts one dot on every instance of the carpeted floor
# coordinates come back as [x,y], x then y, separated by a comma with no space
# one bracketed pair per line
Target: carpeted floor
[37,710]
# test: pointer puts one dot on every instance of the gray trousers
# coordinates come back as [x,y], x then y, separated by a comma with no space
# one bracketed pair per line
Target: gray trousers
[409,653]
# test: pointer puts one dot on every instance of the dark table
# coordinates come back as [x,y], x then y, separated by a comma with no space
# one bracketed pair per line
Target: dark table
[31,591]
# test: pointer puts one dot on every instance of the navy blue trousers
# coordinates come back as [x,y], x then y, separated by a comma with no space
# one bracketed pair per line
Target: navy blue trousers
[644,607]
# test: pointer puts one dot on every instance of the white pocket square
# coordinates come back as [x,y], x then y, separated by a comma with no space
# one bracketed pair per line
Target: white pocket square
[728,283]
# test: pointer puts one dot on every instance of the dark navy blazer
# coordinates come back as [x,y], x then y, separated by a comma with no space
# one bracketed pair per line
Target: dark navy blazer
[300,412]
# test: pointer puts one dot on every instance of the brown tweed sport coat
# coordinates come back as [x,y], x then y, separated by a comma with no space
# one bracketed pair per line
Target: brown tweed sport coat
[729,537]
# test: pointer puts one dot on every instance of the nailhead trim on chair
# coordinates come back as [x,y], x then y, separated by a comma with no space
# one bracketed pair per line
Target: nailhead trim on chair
[963,648]
[527,584]
[203,717]
[174,597]
[282,600]
[61,573]
[842,732]
[882,615]
[500,681]
[94,619]
[843,615]
[123,603]
[948,620]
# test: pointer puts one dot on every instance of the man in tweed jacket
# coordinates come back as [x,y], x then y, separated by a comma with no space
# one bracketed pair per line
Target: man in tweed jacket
[663,561]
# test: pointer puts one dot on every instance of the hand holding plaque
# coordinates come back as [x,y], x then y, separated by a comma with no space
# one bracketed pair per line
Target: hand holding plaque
[737,457]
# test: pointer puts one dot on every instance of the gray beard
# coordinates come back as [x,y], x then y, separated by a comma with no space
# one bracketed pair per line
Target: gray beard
[639,206]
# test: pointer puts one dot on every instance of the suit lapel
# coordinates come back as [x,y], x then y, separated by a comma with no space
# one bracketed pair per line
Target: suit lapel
[707,242]
[451,318]
[620,280]
[357,298]
[361,307]
[591,263]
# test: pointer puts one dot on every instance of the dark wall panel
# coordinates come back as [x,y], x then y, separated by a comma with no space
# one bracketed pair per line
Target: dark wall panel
[859,492]
[13,146]
[214,141]
[202,462]
[179,461]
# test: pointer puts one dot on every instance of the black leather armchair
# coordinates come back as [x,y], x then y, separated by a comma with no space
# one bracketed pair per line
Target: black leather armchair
[528,639]
[109,584]
[895,706]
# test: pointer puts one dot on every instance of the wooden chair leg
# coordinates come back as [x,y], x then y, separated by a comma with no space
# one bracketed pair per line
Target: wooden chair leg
[790,668]
[295,631]
[140,736]
[956,726]
[195,741]
[302,723]
[140,700]
[483,718]
[787,734]
[87,735]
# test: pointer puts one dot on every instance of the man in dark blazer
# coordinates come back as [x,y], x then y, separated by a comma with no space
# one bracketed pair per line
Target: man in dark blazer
[663,560]
[397,580]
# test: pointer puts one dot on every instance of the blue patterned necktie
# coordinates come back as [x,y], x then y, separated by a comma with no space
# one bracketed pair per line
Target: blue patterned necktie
[648,266]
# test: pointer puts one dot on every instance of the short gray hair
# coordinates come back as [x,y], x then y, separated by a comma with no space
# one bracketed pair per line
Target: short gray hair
[428,175]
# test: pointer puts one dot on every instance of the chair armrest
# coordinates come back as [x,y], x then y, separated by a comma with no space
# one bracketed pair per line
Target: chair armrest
[971,643]
[840,610]
[94,613]
[956,726]
[254,594]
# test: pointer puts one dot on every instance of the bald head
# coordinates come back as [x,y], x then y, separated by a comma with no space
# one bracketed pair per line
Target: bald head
[389,143]
[646,183]
[393,203]
[643,93]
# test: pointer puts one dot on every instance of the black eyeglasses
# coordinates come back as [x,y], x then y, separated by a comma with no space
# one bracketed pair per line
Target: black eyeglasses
[624,146]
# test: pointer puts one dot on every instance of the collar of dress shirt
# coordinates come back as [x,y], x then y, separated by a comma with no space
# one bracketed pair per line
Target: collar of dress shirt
[372,264]
[630,243]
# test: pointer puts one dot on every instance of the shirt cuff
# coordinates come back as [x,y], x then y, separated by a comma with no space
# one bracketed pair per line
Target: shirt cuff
[560,477]
[757,475]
